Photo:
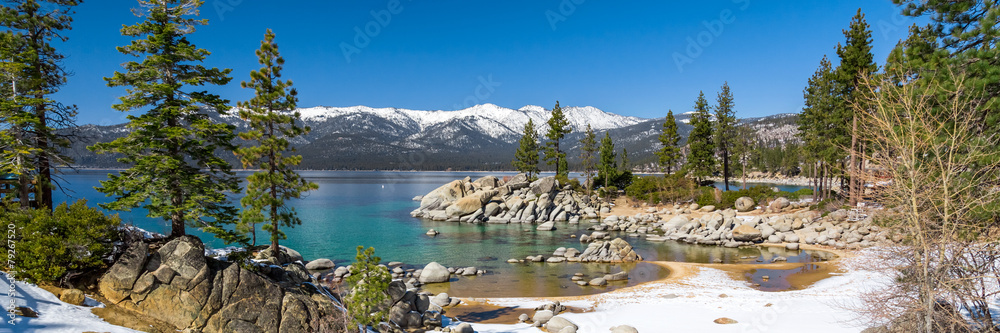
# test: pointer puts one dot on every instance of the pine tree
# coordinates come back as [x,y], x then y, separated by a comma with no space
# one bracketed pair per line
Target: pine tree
[743,147]
[856,63]
[701,160]
[607,167]
[272,124]
[526,156]
[558,128]
[369,282]
[625,166]
[36,25]
[587,151]
[725,129]
[171,149]
[816,124]
[670,154]
[16,149]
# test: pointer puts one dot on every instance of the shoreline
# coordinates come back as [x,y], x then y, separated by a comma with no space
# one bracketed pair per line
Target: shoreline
[696,294]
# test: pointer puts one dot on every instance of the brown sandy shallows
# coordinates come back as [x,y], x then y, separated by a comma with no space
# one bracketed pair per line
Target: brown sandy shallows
[484,313]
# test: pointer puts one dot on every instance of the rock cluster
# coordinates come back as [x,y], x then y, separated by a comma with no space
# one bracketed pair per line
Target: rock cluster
[178,285]
[490,200]
[547,316]
[410,309]
[805,227]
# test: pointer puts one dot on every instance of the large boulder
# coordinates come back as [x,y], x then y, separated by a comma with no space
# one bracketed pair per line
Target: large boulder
[778,204]
[744,204]
[557,323]
[544,185]
[464,206]
[178,285]
[443,195]
[624,329]
[676,222]
[434,273]
[486,182]
[72,296]
[746,233]
[320,264]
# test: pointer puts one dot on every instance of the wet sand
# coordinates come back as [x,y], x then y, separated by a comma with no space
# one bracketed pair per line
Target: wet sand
[485,313]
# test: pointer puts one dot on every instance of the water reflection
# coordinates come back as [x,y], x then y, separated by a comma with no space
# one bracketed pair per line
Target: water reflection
[545,279]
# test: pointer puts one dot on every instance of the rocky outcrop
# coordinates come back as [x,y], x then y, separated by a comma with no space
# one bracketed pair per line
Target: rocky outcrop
[490,200]
[178,285]
[617,250]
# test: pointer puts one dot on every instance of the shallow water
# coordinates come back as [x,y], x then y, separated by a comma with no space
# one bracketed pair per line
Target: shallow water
[371,208]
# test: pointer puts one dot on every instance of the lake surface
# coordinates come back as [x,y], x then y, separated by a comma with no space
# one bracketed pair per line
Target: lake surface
[371,208]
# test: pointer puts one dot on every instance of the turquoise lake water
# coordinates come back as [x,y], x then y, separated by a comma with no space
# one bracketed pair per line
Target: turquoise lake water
[371,208]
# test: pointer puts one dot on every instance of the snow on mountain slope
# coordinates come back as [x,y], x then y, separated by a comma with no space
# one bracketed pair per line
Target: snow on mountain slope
[491,120]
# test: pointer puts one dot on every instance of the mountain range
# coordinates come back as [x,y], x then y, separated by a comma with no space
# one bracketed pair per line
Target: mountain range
[481,137]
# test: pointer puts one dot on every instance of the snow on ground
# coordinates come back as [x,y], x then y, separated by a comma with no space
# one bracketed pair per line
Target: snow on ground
[54,316]
[693,304]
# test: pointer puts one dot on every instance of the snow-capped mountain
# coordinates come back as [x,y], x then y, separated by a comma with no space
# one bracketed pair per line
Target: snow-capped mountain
[497,122]
[367,137]
[482,137]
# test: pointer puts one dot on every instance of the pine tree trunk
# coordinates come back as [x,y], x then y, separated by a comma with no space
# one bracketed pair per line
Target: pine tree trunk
[744,175]
[853,170]
[725,168]
[43,188]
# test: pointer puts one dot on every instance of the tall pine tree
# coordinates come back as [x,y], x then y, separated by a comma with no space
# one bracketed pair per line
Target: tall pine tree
[170,149]
[816,125]
[587,155]
[856,63]
[16,149]
[272,124]
[36,25]
[526,156]
[670,154]
[701,160]
[607,166]
[558,128]
[725,129]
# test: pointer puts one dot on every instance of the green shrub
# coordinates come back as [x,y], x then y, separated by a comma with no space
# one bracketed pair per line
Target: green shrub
[572,182]
[656,189]
[706,196]
[50,246]
[620,179]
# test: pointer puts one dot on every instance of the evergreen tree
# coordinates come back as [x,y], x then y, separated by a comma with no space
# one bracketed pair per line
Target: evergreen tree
[174,171]
[35,25]
[16,149]
[558,128]
[816,124]
[607,167]
[625,167]
[526,156]
[670,154]
[962,37]
[369,285]
[701,160]
[856,63]
[587,151]
[725,129]
[743,148]
[272,124]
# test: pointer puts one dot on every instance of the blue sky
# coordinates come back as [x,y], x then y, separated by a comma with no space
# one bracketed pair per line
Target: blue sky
[637,58]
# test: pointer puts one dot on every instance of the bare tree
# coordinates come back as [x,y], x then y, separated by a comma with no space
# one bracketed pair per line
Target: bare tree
[937,177]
